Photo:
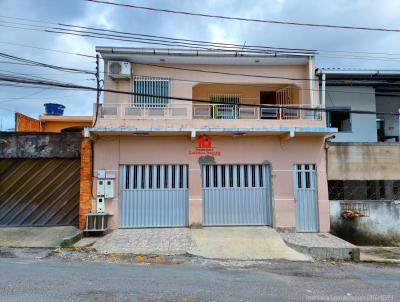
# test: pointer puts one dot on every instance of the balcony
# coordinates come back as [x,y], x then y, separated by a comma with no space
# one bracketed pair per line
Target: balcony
[183,117]
[176,111]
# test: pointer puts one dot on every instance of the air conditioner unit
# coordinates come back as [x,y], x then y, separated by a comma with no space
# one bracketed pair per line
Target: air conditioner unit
[119,70]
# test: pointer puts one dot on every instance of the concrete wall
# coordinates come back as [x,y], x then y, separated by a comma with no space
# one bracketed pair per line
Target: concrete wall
[366,161]
[40,145]
[389,104]
[353,161]
[363,127]
[112,151]
[382,227]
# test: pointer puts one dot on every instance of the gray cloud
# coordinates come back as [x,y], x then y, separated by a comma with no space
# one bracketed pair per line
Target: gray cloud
[356,12]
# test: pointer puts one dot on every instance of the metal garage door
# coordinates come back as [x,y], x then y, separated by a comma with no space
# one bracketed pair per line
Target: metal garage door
[154,196]
[39,192]
[236,195]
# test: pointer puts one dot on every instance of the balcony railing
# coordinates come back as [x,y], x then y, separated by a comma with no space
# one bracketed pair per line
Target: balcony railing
[153,111]
[283,112]
[210,111]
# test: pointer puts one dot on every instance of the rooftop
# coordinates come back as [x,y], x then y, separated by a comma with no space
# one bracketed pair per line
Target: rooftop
[185,56]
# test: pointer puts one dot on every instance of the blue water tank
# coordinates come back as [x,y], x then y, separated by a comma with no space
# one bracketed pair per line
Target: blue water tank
[54,109]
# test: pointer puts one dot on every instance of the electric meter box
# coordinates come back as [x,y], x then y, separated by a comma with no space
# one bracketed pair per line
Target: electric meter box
[109,188]
[101,186]
[101,206]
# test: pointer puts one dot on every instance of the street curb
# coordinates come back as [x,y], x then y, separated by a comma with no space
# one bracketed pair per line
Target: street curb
[69,241]
[328,253]
[381,261]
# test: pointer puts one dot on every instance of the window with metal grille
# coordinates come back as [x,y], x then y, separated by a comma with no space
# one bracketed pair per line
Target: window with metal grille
[364,189]
[156,90]
[358,208]
[139,177]
[225,110]
[228,176]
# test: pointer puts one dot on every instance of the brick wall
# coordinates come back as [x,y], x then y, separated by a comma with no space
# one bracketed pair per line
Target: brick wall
[85,202]
[24,123]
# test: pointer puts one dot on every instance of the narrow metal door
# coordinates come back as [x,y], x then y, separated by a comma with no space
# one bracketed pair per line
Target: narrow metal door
[305,192]
[236,195]
[153,196]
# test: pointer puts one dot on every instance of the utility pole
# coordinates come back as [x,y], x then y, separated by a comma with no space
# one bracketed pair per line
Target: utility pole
[97,88]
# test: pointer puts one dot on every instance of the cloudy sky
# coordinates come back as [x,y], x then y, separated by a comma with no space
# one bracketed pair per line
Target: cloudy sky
[367,13]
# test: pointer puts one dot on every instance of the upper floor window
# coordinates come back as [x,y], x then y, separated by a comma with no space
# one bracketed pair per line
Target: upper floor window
[340,119]
[228,109]
[156,90]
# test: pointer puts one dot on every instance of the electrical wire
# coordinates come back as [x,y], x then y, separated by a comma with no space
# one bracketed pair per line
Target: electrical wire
[60,68]
[270,85]
[187,13]
[88,88]
[48,49]
[217,46]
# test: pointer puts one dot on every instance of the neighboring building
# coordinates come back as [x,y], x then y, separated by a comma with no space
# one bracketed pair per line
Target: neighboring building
[51,123]
[46,165]
[163,160]
[364,156]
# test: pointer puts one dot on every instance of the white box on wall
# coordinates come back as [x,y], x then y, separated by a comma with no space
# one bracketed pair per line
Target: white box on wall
[101,173]
[109,188]
[101,206]
[100,187]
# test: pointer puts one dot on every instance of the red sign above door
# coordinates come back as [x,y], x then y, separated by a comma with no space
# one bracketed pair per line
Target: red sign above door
[204,147]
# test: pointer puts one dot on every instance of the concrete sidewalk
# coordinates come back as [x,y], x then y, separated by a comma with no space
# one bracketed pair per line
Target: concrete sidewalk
[42,237]
[244,243]
[322,246]
[240,243]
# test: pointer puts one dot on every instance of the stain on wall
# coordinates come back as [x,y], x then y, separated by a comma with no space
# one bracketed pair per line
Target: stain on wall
[381,227]
[40,145]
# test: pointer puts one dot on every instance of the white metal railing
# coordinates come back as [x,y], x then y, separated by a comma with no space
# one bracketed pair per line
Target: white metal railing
[153,111]
[279,112]
[210,111]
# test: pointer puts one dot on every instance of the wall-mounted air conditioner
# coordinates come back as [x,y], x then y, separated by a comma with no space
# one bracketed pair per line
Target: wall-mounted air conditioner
[119,70]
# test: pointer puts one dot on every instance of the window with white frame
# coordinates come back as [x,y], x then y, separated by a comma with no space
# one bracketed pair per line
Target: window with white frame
[229,107]
[155,92]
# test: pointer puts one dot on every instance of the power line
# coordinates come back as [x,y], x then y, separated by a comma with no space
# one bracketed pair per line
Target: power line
[48,49]
[381,29]
[60,68]
[159,40]
[38,64]
[270,85]
[88,88]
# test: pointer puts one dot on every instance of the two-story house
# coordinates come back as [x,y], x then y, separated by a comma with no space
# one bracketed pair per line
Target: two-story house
[211,138]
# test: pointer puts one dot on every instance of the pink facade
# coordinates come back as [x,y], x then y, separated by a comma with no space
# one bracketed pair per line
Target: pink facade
[169,134]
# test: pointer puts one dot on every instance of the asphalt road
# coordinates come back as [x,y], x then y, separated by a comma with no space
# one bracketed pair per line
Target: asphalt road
[60,279]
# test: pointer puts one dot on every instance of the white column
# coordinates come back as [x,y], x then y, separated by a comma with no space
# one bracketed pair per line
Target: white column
[399,126]
[323,90]
[311,79]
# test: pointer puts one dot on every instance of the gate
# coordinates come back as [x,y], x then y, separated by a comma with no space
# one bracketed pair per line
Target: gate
[153,196]
[236,195]
[39,192]
[305,190]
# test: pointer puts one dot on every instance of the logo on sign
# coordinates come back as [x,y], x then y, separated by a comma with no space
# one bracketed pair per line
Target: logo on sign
[204,147]
[204,142]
